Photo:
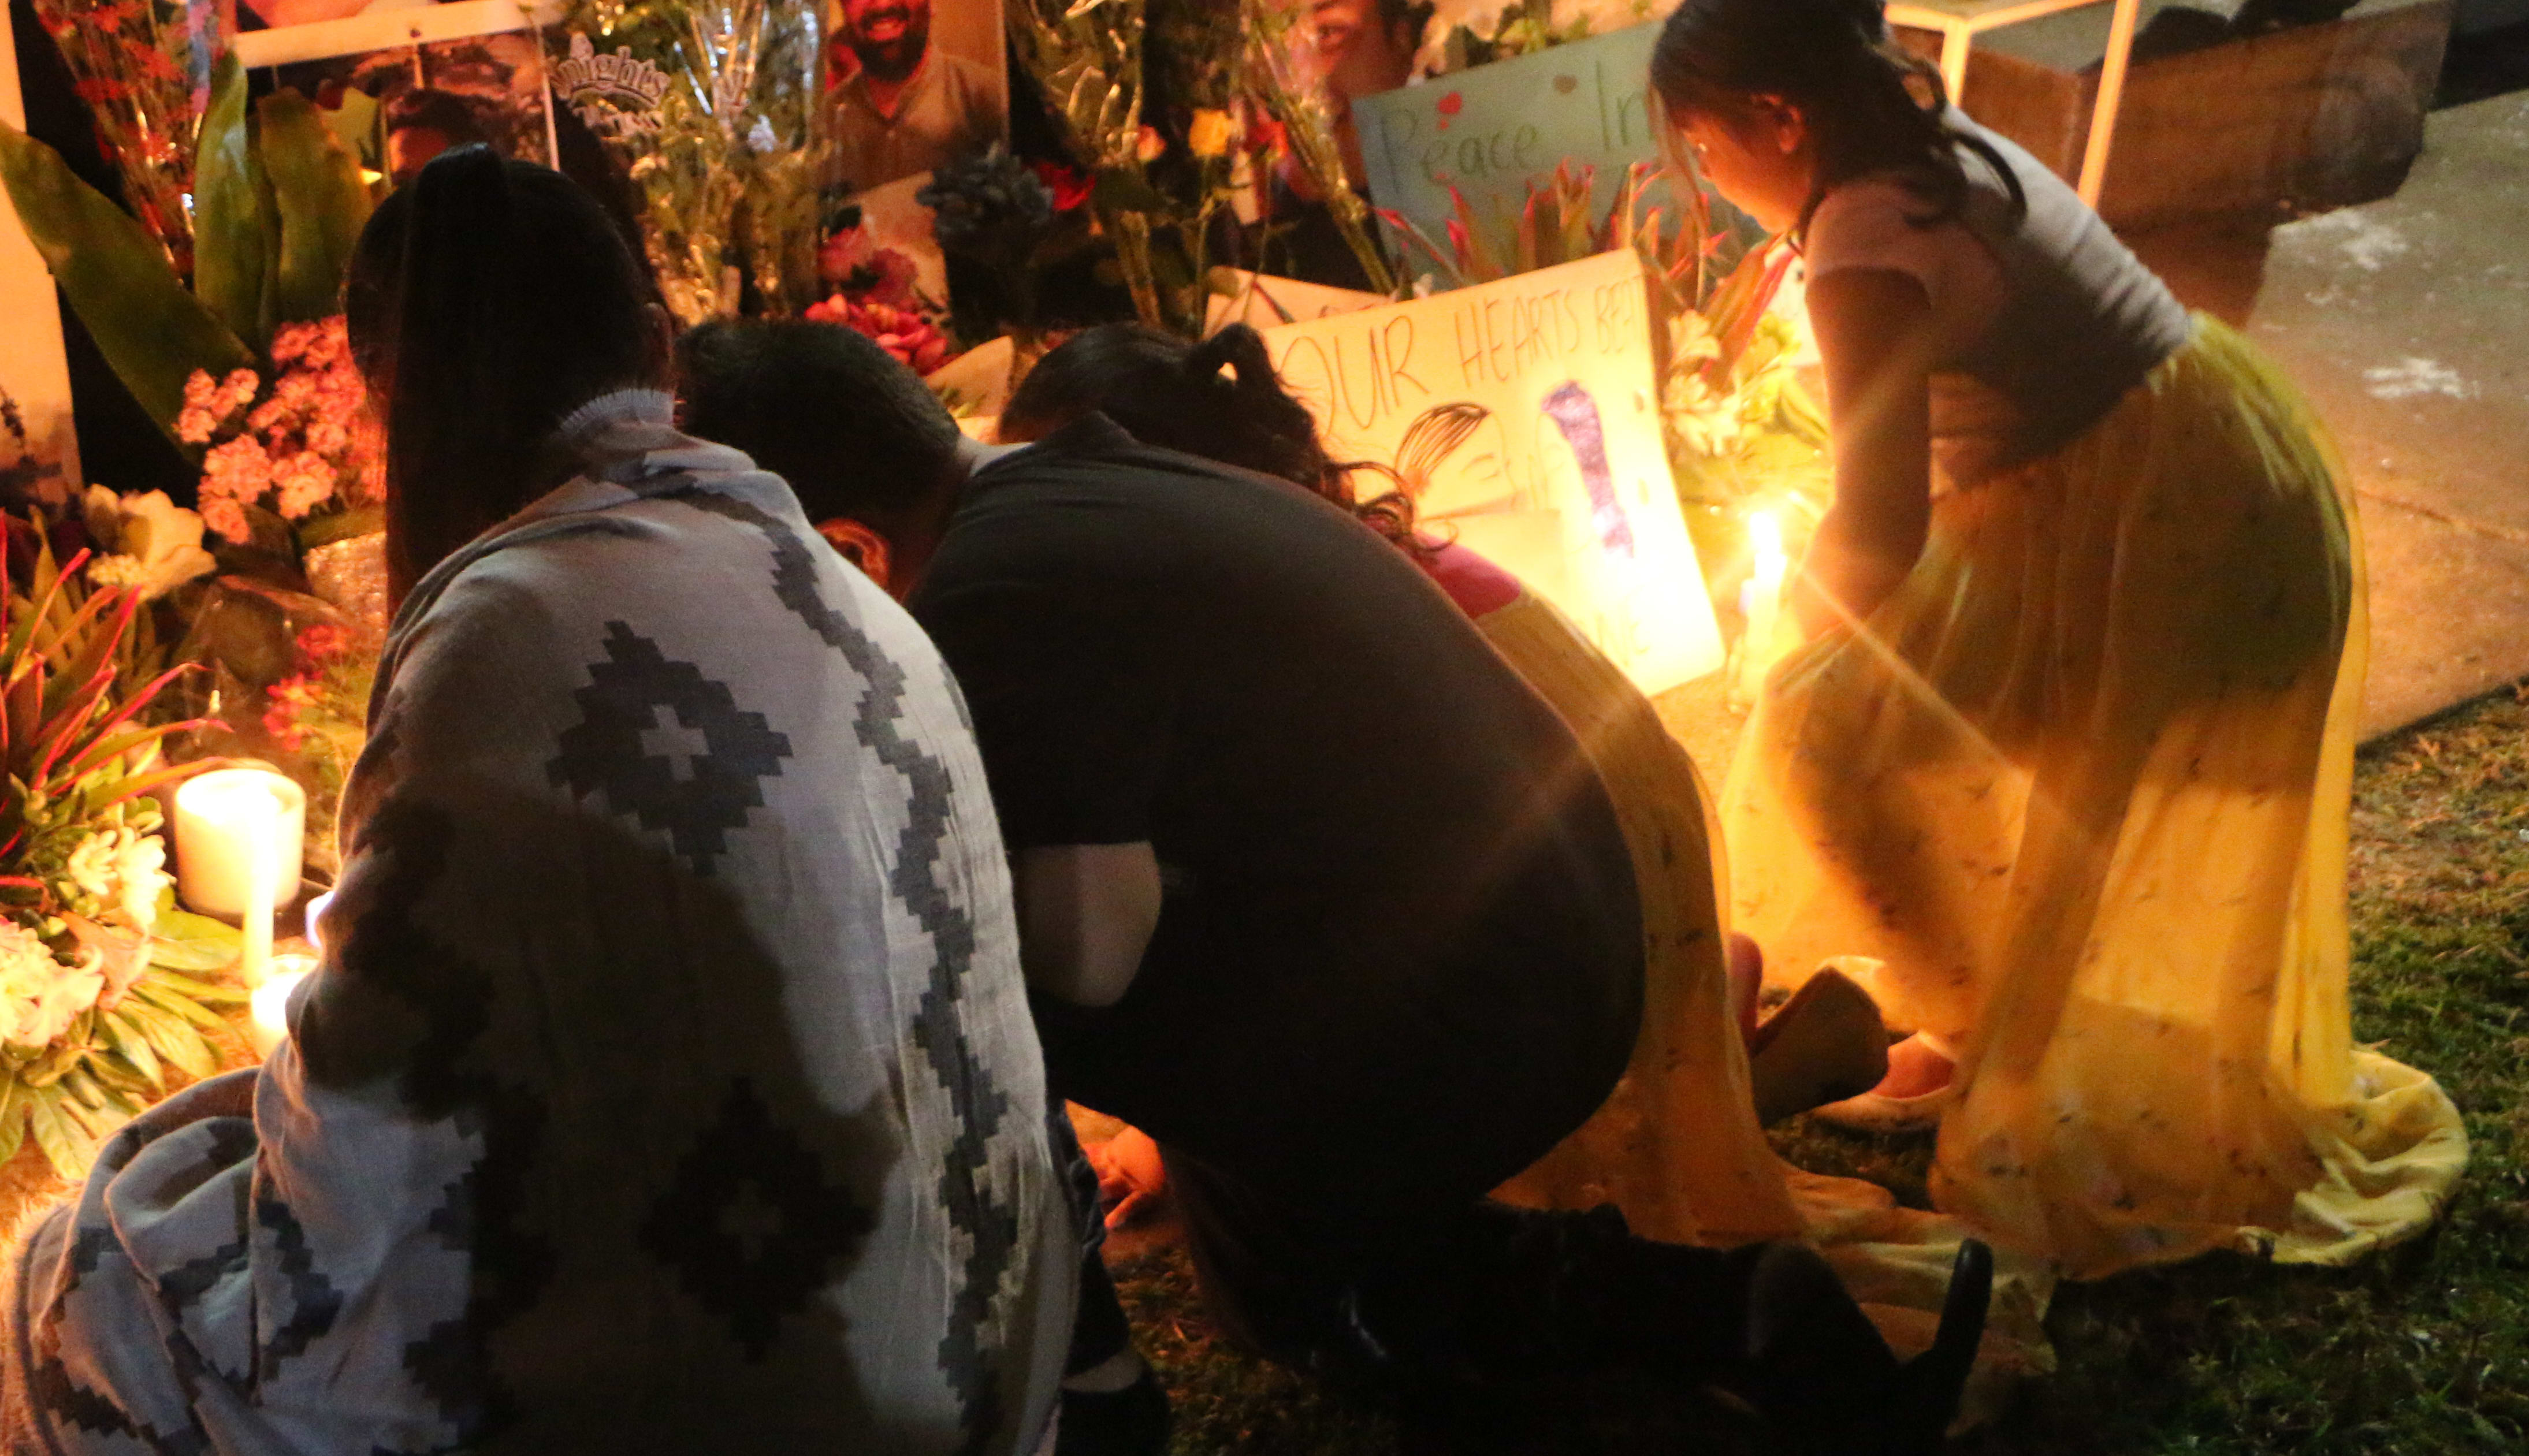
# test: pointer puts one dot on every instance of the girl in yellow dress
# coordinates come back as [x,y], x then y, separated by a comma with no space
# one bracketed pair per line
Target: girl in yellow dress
[2069,744]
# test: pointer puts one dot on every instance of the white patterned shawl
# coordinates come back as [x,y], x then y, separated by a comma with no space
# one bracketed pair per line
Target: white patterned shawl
[668,1085]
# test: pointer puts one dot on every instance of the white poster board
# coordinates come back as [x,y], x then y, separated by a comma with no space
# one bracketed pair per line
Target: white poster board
[1523,416]
[32,368]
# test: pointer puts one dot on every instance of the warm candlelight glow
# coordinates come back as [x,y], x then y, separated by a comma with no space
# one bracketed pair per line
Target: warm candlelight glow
[1760,604]
[219,816]
[1765,541]
[271,1002]
[317,906]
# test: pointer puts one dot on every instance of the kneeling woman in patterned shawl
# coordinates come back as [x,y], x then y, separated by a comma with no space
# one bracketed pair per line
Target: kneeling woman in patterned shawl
[668,1085]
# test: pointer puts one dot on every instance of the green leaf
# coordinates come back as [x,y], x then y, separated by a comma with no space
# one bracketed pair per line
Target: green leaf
[151,331]
[342,525]
[323,203]
[186,941]
[13,1119]
[173,1039]
[179,1004]
[188,989]
[80,1084]
[65,1145]
[232,247]
[133,1044]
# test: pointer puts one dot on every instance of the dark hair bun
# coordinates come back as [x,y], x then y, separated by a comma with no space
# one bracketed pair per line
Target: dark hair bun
[1240,348]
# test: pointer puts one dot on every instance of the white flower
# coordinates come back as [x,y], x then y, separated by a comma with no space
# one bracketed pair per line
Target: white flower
[39,995]
[91,864]
[141,878]
[127,870]
[157,543]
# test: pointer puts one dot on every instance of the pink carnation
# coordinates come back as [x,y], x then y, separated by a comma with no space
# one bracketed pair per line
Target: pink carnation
[201,391]
[331,345]
[326,437]
[196,425]
[306,482]
[270,415]
[240,468]
[239,390]
[225,517]
[290,341]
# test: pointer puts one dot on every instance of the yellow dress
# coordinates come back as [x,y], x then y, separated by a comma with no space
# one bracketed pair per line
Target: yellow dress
[1675,1147]
[2081,783]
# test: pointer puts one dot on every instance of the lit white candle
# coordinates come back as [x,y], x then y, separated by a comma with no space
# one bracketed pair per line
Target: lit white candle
[1760,602]
[219,816]
[271,1002]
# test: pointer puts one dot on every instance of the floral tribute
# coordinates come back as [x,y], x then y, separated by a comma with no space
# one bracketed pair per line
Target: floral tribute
[873,290]
[95,1001]
[128,61]
[303,448]
[319,712]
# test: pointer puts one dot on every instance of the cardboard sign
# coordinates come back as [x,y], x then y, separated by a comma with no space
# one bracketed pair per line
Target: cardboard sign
[1261,301]
[1522,417]
[1496,128]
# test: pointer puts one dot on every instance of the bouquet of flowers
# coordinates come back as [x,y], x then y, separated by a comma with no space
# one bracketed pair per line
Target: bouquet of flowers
[872,290]
[302,449]
[1282,78]
[277,206]
[712,105]
[318,716]
[97,998]
[132,62]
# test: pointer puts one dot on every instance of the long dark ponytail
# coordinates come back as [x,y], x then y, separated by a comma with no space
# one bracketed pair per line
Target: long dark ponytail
[1219,399]
[487,299]
[1856,88]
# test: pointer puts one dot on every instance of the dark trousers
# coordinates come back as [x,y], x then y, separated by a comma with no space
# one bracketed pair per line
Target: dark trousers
[1437,1296]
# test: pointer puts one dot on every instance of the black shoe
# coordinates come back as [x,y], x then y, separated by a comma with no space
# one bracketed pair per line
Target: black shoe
[1825,1380]
[1131,1422]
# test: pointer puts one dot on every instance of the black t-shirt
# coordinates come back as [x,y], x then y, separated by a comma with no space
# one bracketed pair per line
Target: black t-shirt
[1399,942]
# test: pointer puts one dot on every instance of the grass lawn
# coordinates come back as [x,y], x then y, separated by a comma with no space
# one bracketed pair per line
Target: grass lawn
[2423,1349]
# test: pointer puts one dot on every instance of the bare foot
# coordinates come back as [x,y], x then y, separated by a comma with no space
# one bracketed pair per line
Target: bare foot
[1915,1068]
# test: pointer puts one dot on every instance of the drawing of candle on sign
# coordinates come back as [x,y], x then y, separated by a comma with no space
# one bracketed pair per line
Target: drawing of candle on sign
[1577,414]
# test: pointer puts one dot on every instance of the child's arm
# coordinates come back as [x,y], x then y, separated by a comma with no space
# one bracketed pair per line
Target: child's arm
[1875,338]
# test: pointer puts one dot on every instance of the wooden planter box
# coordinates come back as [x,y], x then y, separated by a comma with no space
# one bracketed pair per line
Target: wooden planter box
[2294,121]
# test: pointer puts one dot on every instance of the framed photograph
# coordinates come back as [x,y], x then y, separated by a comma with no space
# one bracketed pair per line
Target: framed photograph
[910,83]
[402,84]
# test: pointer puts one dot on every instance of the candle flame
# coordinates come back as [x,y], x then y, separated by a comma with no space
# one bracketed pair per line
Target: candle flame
[1765,541]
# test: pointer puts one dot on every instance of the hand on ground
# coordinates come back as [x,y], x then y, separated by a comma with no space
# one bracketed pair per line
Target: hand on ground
[1131,1179]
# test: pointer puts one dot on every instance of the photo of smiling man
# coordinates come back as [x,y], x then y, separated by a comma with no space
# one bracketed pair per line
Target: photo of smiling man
[902,99]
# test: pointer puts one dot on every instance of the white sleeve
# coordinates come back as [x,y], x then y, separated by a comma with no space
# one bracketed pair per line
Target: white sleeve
[1868,224]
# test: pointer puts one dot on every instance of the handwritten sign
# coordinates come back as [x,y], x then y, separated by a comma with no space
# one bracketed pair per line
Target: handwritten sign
[1494,129]
[1522,418]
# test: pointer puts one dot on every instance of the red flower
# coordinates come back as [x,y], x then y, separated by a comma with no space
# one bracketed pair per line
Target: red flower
[290,697]
[913,340]
[1070,185]
[319,643]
